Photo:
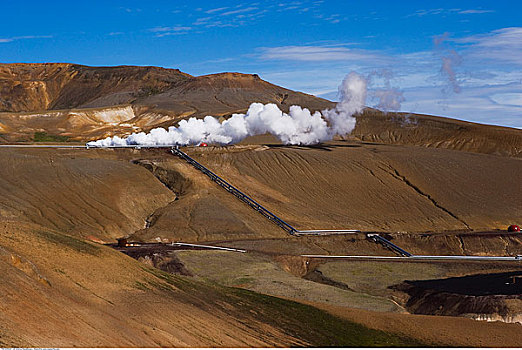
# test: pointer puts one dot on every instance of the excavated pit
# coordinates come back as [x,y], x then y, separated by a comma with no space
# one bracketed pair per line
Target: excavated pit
[490,297]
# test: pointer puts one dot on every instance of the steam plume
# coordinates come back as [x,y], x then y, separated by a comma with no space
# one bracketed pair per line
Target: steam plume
[450,59]
[389,98]
[298,127]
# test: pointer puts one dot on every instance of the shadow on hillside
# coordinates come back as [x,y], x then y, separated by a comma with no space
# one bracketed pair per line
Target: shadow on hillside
[321,146]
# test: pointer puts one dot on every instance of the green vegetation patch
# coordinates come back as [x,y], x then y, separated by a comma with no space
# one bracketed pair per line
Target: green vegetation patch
[308,324]
[141,286]
[45,137]
[69,242]
[318,327]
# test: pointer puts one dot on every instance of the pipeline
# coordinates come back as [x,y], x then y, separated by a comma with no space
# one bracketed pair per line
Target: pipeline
[251,202]
[240,195]
[379,239]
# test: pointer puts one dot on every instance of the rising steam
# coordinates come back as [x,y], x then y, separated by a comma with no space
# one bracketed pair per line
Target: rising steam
[389,98]
[450,59]
[298,127]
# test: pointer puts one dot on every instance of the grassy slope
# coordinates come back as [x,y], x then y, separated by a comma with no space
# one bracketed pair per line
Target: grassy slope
[259,274]
[58,290]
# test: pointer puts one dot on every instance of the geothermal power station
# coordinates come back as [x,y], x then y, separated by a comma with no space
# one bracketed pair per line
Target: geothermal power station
[146,207]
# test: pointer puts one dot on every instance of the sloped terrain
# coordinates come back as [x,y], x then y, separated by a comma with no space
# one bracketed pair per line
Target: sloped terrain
[431,131]
[373,187]
[78,193]
[82,103]
[54,199]
[86,103]
[51,86]
[429,184]
[55,86]
[439,330]
[59,291]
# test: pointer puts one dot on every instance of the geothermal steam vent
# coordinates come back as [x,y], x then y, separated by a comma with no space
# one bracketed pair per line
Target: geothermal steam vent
[298,127]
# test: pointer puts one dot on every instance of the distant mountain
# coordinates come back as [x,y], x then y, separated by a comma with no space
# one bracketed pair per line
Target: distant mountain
[56,86]
[61,101]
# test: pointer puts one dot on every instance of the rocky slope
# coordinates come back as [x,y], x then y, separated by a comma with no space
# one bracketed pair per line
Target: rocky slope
[42,87]
[438,132]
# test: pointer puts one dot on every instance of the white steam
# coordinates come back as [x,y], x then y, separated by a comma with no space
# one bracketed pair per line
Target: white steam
[298,127]
[388,97]
[352,93]
[450,59]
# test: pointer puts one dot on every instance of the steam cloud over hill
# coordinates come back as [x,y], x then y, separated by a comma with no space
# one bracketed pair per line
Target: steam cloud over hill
[298,127]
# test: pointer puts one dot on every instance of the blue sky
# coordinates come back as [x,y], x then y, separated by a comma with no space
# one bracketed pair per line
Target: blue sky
[461,59]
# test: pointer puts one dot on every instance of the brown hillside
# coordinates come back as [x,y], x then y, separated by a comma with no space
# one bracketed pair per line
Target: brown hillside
[57,289]
[50,86]
[55,86]
[56,283]
[439,132]
[370,186]
[226,93]
[86,103]
[427,183]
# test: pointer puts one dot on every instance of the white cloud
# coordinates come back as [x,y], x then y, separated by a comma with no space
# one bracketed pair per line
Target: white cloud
[508,98]
[500,45]
[167,31]
[15,38]
[219,9]
[491,89]
[445,12]
[424,12]
[234,12]
[471,12]
[485,104]
[170,29]
[319,53]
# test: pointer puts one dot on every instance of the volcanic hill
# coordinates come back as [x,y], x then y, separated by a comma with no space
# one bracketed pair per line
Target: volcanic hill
[432,185]
[59,101]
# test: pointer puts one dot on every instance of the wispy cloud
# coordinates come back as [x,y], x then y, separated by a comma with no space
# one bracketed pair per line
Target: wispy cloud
[473,12]
[428,12]
[25,37]
[170,29]
[248,13]
[219,9]
[332,18]
[166,31]
[497,105]
[503,45]
[444,12]
[130,10]
[237,16]
[241,10]
[318,53]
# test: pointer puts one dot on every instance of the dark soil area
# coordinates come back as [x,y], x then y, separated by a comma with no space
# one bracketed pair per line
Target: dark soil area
[483,294]
[506,283]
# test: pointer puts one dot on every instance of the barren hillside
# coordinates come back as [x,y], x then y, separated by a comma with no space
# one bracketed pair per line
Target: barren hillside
[60,289]
[55,201]
[355,185]
[79,103]
[430,184]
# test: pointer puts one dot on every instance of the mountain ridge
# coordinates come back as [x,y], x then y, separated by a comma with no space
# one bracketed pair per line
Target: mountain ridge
[84,103]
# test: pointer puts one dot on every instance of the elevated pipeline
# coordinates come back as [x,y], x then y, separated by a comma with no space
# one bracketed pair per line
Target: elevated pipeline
[251,202]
